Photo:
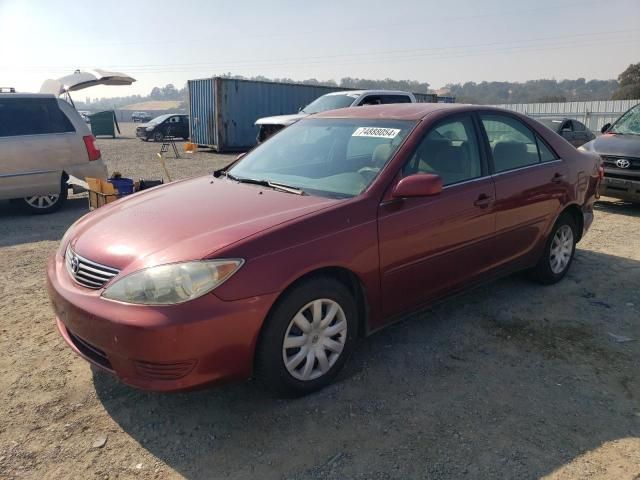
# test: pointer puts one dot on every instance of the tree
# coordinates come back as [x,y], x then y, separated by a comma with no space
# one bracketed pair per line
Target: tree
[629,83]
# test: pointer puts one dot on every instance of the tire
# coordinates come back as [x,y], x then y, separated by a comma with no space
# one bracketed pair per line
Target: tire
[325,295]
[158,136]
[558,252]
[42,204]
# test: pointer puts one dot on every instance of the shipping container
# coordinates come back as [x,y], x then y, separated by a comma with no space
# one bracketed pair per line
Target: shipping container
[222,111]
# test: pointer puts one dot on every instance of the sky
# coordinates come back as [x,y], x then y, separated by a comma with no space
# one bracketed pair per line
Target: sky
[438,42]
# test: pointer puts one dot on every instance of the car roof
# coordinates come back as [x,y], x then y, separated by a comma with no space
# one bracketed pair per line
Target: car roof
[368,92]
[560,119]
[399,111]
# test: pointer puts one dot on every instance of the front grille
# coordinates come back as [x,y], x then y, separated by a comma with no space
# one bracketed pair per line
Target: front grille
[164,371]
[87,273]
[635,178]
[610,161]
[90,351]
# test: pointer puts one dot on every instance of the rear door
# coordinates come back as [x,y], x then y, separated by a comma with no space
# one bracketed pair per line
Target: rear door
[530,182]
[36,142]
[430,246]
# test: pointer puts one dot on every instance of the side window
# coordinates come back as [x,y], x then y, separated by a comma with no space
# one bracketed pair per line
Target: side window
[395,99]
[174,120]
[371,100]
[513,145]
[567,126]
[32,116]
[546,154]
[449,150]
[58,121]
[577,126]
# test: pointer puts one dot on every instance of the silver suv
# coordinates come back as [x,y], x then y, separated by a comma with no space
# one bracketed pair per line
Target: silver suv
[43,141]
[269,126]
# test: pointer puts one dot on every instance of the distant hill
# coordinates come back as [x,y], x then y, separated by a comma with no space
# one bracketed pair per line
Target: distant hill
[153,105]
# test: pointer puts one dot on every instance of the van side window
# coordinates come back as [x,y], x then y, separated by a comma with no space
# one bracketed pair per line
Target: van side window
[395,99]
[32,116]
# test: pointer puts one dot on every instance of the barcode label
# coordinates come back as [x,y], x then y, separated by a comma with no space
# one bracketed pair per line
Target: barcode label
[376,132]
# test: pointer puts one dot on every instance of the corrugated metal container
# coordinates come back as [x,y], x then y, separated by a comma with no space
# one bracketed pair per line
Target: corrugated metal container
[426,97]
[222,111]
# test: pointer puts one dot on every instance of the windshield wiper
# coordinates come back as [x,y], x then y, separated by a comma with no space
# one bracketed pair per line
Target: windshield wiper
[266,183]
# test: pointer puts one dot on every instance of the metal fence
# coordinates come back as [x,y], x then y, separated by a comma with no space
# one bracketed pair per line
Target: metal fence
[593,114]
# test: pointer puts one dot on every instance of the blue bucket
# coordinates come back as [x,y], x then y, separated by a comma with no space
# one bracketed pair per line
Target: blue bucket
[124,186]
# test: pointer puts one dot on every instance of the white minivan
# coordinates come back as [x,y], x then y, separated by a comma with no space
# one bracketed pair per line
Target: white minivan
[43,141]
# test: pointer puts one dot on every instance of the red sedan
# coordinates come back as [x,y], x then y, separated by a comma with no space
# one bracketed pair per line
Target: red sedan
[334,228]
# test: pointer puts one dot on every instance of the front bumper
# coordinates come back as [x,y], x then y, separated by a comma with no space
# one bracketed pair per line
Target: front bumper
[176,347]
[621,188]
[142,133]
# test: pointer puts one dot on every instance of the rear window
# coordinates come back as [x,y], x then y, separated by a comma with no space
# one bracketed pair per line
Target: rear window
[32,116]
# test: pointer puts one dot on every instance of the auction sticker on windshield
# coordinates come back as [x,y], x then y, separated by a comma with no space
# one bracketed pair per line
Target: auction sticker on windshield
[376,132]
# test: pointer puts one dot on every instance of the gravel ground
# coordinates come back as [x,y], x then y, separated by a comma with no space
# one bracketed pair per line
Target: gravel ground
[511,380]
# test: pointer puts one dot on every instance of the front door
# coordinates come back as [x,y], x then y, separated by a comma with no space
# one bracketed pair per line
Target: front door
[430,246]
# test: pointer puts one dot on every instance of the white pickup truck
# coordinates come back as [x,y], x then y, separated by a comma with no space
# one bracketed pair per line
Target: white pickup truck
[330,101]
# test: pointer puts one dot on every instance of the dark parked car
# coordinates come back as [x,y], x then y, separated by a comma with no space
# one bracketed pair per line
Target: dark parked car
[619,148]
[575,132]
[140,117]
[163,126]
[337,226]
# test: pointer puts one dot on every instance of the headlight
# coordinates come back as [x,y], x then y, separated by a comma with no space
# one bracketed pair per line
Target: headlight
[149,129]
[172,283]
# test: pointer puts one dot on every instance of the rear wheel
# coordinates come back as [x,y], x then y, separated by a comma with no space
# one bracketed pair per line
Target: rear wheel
[307,338]
[558,253]
[40,204]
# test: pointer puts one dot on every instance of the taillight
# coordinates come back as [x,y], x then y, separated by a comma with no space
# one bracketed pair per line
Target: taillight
[92,150]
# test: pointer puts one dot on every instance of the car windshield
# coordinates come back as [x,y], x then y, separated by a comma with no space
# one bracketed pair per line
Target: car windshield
[336,158]
[329,102]
[629,123]
[159,119]
[552,123]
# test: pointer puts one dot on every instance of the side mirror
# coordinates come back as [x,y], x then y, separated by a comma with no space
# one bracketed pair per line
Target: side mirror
[418,185]
[605,127]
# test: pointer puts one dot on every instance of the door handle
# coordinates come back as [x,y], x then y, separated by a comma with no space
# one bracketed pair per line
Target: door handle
[482,201]
[558,178]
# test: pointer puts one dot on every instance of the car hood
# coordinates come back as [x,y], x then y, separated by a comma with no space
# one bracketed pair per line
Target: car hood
[184,220]
[285,120]
[617,145]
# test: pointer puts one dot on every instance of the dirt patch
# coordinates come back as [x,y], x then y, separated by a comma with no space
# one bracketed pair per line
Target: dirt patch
[512,380]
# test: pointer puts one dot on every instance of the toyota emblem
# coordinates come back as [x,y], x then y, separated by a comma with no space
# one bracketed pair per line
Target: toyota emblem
[75,264]
[623,163]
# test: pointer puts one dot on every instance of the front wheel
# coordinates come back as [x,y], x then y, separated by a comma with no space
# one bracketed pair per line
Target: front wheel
[158,136]
[41,204]
[558,253]
[307,338]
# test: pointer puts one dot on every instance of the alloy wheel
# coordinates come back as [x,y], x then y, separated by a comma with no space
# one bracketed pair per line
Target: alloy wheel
[314,339]
[42,201]
[561,249]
